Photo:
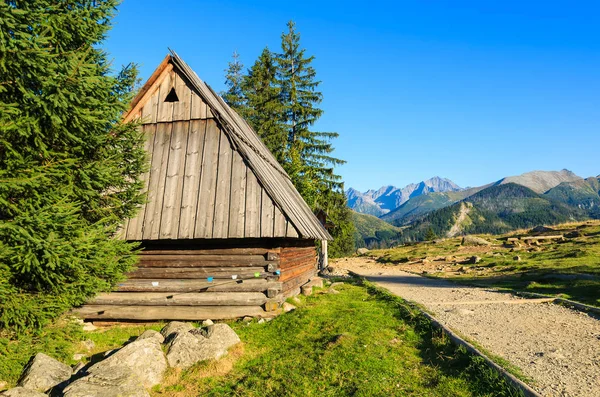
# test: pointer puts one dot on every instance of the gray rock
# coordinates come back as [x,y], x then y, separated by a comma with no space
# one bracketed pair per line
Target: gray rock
[174,327]
[112,381]
[22,392]
[206,323]
[288,307]
[78,356]
[144,358]
[42,373]
[186,349]
[473,240]
[362,251]
[316,282]
[88,327]
[222,336]
[78,368]
[88,344]
[151,334]
[109,353]
[198,333]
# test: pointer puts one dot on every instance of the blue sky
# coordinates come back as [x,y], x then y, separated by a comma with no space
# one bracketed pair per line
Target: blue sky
[468,90]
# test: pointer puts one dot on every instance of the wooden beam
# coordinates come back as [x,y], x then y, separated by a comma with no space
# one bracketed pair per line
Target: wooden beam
[195,273]
[150,285]
[155,313]
[211,251]
[182,299]
[149,88]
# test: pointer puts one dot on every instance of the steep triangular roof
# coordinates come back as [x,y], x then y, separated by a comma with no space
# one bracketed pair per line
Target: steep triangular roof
[269,173]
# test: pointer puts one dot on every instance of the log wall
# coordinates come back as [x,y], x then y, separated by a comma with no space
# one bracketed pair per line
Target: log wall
[298,264]
[201,280]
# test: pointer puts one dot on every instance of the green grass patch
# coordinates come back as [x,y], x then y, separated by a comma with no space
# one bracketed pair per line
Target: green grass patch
[360,342]
[569,269]
[61,341]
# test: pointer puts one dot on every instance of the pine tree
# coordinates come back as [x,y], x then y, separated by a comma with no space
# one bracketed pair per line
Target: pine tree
[69,170]
[234,95]
[264,108]
[430,234]
[299,94]
[308,161]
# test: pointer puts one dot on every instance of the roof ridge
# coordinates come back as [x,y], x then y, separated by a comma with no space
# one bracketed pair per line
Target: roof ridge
[282,191]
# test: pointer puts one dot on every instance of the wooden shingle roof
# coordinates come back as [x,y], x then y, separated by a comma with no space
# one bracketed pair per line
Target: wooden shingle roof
[271,177]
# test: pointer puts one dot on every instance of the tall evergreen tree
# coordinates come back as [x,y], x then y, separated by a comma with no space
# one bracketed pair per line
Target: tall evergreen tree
[69,170]
[309,161]
[265,110]
[234,95]
[310,151]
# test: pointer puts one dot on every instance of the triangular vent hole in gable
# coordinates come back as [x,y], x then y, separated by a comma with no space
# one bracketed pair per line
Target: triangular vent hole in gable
[172,96]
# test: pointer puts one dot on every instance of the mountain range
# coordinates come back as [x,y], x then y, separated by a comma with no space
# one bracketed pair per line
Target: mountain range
[530,199]
[388,198]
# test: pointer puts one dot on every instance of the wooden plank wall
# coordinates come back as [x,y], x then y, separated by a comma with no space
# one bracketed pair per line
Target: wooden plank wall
[198,184]
[298,264]
[174,284]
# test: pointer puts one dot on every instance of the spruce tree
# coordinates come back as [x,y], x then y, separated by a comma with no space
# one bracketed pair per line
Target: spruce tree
[234,95]
[69,169]
[264,108]
[309,161]
[300,96]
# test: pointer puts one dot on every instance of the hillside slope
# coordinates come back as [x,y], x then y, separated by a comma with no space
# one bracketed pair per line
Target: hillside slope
[541,181]
[373,232]
[420,205]
[538,181]
[496,209]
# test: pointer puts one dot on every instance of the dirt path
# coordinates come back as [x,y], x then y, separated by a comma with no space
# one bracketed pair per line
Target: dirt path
[557,347]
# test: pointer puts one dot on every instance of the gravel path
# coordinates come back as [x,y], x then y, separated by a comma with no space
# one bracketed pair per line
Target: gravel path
[558,348]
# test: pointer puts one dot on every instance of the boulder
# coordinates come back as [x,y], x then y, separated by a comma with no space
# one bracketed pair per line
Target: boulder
[111,381]
[144,358]
[473,240]
[22,392]
[222,336]
[152,334]
[362,251]
[174,327]
[42,373]
[186,349]
[207,322]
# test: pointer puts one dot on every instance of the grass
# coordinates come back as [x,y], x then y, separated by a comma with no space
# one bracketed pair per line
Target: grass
[569,269]
[61,341]
[361,342]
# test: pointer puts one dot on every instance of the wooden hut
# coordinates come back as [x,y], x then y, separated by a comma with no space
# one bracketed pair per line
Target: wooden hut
[224,232]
